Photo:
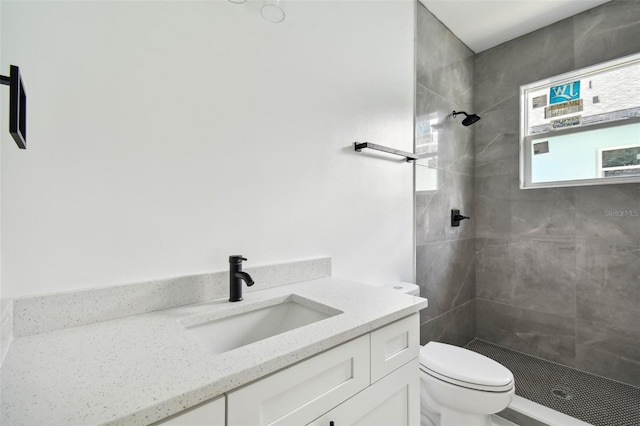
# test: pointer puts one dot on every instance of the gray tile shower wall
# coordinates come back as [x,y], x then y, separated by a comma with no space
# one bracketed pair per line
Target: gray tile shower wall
[557,274]
[552,336]
[444,254]
[537,274]
[446,273]
[455,327]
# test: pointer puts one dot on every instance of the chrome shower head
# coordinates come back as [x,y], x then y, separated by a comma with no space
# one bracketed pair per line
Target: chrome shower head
[469,119]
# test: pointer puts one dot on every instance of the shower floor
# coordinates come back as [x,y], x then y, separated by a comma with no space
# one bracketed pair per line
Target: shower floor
[590,398]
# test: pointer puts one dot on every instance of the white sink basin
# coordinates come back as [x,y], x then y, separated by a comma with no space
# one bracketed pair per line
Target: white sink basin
[222,332]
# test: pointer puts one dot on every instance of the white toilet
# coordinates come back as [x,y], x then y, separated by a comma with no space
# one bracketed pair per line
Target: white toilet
[459,387]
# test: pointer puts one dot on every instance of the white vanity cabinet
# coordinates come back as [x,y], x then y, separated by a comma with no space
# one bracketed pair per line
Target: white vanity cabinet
[394,345]
[373,379]
[393,400]
[301,393]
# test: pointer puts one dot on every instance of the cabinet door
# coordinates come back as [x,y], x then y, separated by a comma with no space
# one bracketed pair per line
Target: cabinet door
[393,400]
[302,392]
[211,413]
[394,345]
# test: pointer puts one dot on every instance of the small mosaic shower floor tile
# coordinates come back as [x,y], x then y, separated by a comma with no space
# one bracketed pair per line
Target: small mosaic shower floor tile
[585,396]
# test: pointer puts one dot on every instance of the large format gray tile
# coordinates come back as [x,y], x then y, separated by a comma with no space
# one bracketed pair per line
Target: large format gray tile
[493,202]
[606,32]
[609,213]
[543,212]
[608,351]
[500,71]
[544,335]
[446,275]
[439,134]
[443,63]
[433,209]
[455,327]
[608,284]
[497,139]
[504,210]
[432,116]
[497,154]
[533,274]
[445,265]
[495,269]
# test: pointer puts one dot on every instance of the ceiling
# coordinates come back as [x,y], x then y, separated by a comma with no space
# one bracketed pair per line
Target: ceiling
[483,24]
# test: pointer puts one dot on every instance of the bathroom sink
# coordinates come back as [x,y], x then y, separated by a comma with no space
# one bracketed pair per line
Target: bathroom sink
[261,320]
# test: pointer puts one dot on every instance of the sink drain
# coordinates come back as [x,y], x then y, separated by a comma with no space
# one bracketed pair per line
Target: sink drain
[562,394]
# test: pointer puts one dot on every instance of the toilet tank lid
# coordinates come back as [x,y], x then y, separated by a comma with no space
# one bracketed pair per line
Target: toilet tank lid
[464,365]
[406,288]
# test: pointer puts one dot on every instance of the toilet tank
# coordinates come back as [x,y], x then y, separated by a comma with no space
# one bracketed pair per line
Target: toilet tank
[404,287]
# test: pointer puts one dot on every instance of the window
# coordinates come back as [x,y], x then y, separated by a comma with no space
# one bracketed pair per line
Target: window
[619,161]
[582,127]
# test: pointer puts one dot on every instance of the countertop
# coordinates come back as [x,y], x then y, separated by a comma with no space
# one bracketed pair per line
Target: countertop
[142,368]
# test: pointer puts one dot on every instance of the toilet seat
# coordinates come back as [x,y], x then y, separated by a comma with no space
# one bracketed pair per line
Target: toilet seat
[462,367]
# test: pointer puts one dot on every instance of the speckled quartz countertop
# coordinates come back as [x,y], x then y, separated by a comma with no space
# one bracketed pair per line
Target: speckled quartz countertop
[142,368]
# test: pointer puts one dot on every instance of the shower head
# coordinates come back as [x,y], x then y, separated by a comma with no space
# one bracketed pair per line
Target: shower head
[469,119]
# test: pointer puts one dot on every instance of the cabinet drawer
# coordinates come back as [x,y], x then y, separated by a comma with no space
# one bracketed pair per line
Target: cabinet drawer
[394,345]
[304,391]
[393,400]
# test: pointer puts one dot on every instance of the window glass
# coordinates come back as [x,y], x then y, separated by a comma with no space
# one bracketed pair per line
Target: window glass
[601,96]
[582,127]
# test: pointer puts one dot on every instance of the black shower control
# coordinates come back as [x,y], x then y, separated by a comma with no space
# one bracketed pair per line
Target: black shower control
[456,217]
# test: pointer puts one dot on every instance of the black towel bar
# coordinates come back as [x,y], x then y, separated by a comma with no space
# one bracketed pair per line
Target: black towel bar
[17,106]
[358,146]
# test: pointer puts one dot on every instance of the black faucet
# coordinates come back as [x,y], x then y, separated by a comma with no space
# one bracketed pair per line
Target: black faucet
[236,276]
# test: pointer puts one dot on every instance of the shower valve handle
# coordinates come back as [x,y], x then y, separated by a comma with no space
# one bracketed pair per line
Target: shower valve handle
[456,217]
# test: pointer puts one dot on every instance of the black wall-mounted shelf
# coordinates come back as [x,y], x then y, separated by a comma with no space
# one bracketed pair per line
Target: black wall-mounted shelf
[17,106]
[359,146]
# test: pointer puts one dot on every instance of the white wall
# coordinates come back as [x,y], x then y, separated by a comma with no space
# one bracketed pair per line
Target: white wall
[165,136]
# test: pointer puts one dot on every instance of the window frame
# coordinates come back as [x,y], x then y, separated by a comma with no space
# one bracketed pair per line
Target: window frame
[525,141]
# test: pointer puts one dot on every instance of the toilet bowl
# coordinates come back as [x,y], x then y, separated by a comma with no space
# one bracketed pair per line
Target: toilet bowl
[459,387]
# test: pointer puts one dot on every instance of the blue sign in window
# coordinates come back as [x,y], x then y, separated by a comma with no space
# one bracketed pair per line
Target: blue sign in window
[564,92]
